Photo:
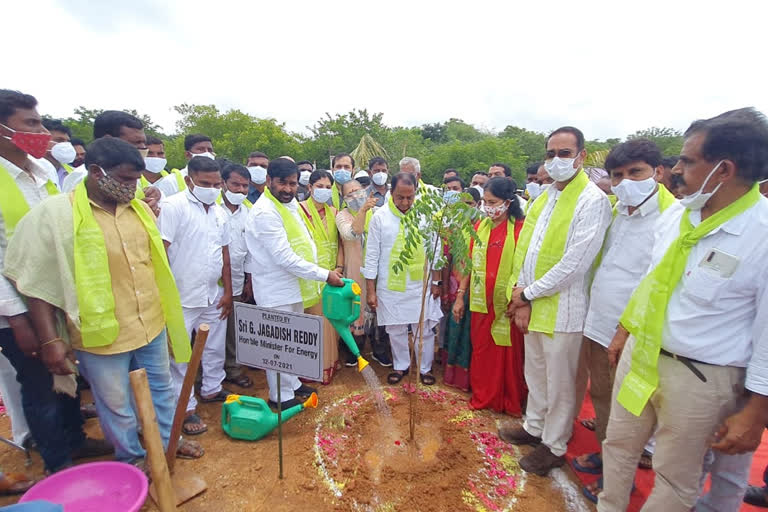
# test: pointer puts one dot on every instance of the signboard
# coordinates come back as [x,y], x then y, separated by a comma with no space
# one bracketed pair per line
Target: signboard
[276,340]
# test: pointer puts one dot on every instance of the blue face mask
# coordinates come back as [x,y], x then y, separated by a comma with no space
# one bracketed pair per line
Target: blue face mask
[322,195]
[451,196]
[342,176]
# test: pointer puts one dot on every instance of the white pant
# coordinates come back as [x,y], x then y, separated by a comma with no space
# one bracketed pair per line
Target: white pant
[730,479]
[288,383]
[10,390]
[401,355]
[551,368]
[213,354]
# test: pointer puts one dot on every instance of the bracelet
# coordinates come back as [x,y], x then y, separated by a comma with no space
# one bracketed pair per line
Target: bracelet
[460,291]
[54,340]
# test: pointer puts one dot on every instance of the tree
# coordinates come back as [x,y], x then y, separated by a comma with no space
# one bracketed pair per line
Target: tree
[669,140]
[533,144]
[81,123]
[341,133]
[470,157]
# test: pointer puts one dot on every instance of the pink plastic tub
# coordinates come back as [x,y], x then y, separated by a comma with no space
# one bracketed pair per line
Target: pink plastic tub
[93,487]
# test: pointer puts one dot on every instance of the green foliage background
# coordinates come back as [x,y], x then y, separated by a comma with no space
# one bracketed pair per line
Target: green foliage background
[450,144]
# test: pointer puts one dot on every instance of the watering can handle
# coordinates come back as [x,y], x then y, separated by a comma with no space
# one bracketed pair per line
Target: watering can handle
[255,404]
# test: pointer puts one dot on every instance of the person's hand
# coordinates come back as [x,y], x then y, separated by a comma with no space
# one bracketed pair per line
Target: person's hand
[24,335]
[435,290]
[369,203]
[445,303]
[740,433]
[517,297]
[225,305]
[247,295]
[372,301]
[57,357]
[523,318]
[334,279]
[458,309]
[617,346]
[152,198]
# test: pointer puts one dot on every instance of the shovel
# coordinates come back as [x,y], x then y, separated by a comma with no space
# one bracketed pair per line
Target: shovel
[186,484]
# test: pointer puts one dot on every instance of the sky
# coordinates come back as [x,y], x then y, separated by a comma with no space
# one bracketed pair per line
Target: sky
[608,67]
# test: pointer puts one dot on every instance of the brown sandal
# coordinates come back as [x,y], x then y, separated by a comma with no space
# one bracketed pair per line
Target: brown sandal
[396,376]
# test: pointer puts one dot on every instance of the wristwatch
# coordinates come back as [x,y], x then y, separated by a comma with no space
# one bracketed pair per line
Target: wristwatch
[437,283]
[525,299]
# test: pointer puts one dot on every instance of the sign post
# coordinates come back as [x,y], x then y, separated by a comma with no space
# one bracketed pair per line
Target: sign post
[281,341]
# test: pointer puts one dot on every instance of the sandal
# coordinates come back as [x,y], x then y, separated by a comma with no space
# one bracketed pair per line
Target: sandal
[193,419]
[588,424]
[396,376]
[241,380]
[14,483]
[427,379]
[596,467]
[221,396]
[589,490]
[646,460]
[189,449]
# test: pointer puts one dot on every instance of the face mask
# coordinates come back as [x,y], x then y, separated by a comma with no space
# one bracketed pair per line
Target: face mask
[206,195]
[212,156]
[533,189]
[479,189]
[304,177]
[560,169]
[322,195]
[119,192]
[64,152]
[34,144]
[258,174]
[342,176]
[232,197]
[379,178]
[495,211]
[451,196]
[356,200]
[633,193]
[143,153]
[154,164]
[698,199]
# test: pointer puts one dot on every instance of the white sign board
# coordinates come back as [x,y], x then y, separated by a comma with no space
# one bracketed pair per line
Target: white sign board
[285,342]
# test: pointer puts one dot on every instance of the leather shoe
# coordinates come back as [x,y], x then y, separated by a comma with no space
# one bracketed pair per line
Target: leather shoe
[757,496]
[541,460]
[518,435]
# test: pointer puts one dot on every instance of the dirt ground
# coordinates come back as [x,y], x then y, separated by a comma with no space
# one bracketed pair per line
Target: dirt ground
[379,469]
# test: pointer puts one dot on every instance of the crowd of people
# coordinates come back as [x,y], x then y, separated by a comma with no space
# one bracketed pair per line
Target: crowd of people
[643,279]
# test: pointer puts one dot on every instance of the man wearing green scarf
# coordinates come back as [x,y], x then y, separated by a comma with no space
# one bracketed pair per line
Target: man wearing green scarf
[695,366]
[563,232]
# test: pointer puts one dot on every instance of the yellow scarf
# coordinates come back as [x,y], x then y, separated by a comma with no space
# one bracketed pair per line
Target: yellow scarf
[645,314]
[325,235]
[13,204]
[500,330]
[397,280]
[93,283]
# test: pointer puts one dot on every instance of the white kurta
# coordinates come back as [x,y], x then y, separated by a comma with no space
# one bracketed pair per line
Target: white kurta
[394,308]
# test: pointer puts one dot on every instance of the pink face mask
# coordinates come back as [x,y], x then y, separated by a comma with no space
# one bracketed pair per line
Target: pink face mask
[34,144]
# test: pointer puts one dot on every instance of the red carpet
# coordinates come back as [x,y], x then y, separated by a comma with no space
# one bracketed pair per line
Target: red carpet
[584,441]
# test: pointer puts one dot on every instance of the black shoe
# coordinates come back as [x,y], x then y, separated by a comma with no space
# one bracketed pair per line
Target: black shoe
[88,411]
[285,405]
[383,359]
[304,391]
[351,360]
[757,496]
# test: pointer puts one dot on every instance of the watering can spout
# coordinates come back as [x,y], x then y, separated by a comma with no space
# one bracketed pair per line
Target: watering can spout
[361,363]
[311,401]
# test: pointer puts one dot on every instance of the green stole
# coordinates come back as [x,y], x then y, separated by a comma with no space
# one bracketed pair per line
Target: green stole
[325,235]
[13,204]
[415,268]
[93,282]
[645,314]
[302,246]
[500,330]
[544,309]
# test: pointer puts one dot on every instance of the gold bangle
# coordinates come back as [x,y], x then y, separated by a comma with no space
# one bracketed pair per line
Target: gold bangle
[54,340]
[461,291]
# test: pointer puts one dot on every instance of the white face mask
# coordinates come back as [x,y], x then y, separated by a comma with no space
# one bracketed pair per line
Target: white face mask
[560,169]
[304,177]
[206,195]
[633,193]
[206,154]
[480,189]
[258,174]
[234,198]
[533,189]
[379,178]
[495,211]
[698,199]
[154,164]
[64,152]
[322,195]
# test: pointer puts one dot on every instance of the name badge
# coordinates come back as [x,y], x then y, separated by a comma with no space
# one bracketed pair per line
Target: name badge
[720,263]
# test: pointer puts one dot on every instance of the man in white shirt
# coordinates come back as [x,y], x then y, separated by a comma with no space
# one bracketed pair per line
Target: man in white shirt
[195,234]
[194,145]
[235,180]
[626,254]
[412,166]
[275,267]
[563,233]
[54,419]
[688,361]
[398,304]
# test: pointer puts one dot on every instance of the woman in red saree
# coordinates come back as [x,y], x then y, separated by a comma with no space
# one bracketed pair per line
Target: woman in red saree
[496,367]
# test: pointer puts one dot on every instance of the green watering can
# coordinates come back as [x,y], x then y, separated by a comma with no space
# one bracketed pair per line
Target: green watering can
[249,418]
[341,306]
